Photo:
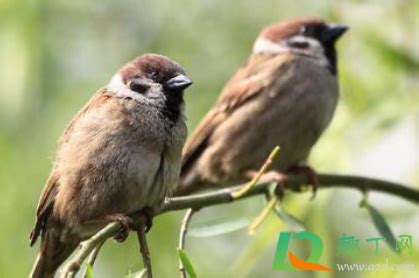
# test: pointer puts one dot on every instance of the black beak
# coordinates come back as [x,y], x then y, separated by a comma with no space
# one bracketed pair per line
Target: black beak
[334,32]
[179,83]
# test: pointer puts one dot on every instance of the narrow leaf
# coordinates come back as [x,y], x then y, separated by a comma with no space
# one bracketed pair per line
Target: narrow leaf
[394,55]
[138,274]
[292,222]
[382,226]
[186,262]
[89,271]
[209,229]
[262,215]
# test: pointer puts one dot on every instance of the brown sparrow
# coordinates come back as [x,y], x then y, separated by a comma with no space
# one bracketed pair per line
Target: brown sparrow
[120,154]
[284,95]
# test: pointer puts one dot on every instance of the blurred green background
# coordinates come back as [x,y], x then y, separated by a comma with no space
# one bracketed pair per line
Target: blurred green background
[56,54]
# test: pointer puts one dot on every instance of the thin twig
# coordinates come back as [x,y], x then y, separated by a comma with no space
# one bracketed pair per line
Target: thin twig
[262,215]
[86,247]
[242,191]
[294,224]
[92,258]
[224,196]
[182,237]
[144,248]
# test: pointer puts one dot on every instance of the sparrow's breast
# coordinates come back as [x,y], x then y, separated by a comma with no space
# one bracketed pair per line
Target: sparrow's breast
[302,112]
[292,112]
[164,175]
[118,159]
[154,168]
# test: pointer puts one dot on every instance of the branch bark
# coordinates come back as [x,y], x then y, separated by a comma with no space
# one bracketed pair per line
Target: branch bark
[182,237]
[144,248]
[295,183]
[92,258]
[86,247]
[223,196]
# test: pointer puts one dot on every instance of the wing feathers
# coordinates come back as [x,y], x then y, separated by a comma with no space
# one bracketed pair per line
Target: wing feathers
[248,83]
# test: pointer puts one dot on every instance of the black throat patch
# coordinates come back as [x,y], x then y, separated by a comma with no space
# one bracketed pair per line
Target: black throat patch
[330,53]
[172,106]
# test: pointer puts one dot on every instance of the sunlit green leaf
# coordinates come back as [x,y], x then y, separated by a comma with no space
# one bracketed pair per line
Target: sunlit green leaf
[89,271]
[186,263]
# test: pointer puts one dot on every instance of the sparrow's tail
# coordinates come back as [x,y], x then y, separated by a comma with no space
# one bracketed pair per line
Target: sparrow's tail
[40,268]
[190,183]
[52,254]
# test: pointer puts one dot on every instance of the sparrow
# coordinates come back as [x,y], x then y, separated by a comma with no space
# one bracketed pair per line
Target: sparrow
[120,154]
[285,95]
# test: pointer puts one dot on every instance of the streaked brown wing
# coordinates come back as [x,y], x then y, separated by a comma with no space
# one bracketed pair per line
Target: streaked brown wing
[246,84]
[49,192]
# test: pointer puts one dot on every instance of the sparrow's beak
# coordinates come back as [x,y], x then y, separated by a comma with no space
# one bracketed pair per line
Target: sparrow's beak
[180,82]
[334,32]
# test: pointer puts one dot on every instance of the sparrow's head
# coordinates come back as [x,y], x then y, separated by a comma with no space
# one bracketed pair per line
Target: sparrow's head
[307,36]
[152,78]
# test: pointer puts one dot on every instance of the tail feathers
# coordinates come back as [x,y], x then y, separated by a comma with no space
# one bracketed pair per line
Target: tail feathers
[52,254]
[185,190]
[190,183]
[186,186]
[40,269]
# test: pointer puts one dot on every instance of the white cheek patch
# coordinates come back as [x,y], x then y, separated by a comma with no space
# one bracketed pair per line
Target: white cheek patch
[314,49]
[264,46]
[119,89]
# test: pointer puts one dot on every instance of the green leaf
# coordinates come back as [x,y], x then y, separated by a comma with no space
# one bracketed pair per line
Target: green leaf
[364,202]
[395,56]
[250,254]
[382,226]
[292,222]
[186,263]
[138,274]
[214,228]
[89,271]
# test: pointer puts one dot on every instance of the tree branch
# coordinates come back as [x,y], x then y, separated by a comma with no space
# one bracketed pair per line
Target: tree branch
[295,183]
[92,258]
[182,237]
[223,196]
[86,247]
[144,247]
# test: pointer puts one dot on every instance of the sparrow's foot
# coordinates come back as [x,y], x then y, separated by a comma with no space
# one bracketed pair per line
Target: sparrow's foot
[126,225]
[310,174]
[148,214]
[279,178]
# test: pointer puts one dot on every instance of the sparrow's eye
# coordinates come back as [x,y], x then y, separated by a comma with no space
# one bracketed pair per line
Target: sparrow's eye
[302,30]
[154,75]
[139,86]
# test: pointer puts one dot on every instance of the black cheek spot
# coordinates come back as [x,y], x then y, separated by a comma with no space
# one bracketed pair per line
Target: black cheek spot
[139,86]
[301,45]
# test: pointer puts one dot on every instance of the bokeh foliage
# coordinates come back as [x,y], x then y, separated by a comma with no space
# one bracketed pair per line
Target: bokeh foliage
[55,54]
